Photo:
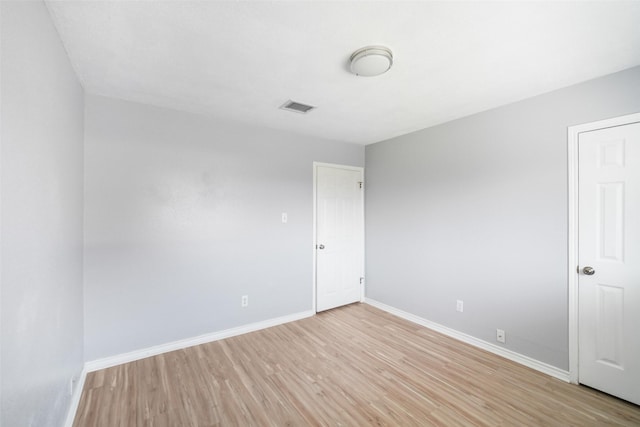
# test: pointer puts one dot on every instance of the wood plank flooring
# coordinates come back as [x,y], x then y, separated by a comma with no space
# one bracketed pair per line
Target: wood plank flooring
[351,366]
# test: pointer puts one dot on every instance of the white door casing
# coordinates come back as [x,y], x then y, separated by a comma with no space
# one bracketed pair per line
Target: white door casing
[605,235]
[339,235]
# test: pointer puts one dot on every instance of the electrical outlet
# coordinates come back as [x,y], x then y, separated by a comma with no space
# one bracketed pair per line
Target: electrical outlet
[459,306]
[72,384]
[285,217]
[501,336]
[245,301]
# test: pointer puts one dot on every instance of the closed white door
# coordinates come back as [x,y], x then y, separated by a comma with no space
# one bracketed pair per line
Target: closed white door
[609,260]
[339,235]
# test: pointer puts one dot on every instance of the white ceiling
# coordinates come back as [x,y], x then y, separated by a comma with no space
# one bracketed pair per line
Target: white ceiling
[241,60]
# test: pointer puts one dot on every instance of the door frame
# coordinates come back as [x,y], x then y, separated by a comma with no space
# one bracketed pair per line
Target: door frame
[573,215]
[315,222]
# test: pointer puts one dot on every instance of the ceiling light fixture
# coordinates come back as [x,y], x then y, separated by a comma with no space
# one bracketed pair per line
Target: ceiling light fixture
[371,61]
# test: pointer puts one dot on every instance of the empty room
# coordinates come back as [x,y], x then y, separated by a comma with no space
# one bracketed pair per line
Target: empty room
[319,213]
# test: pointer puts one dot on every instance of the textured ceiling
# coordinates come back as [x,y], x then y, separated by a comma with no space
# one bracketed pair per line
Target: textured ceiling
[241,60]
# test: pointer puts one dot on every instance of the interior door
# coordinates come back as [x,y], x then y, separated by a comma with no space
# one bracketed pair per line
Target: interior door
[609,260]
[339,235]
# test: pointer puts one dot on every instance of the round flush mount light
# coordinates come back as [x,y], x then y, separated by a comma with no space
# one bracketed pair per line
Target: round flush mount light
[371,61]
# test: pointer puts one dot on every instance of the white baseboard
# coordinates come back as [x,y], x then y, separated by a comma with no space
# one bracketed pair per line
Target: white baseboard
[75,398]
[500,351]
[107,362]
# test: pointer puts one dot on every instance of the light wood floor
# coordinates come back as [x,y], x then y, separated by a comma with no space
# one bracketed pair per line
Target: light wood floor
[352,366]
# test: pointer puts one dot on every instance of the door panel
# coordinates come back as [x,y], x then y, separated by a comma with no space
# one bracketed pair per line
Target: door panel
[610,326]
[611,229]
[609,241]
[339,236]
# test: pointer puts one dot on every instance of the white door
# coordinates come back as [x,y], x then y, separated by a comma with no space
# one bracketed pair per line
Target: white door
[609,260]
[339,235]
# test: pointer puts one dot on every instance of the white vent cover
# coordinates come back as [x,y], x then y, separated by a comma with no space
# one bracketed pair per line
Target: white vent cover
[297,107]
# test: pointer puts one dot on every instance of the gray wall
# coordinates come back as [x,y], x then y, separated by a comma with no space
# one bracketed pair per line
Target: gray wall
[42,133]
[183,217]
[476,209]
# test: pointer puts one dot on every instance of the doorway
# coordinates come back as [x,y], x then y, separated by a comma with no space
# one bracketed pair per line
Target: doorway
[338,235]
[604,256]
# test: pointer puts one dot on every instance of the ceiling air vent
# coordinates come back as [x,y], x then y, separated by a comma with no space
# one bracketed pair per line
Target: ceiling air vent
[297,107]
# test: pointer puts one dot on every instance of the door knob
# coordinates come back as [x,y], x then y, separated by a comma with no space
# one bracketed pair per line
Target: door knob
[322,247]
[589,271]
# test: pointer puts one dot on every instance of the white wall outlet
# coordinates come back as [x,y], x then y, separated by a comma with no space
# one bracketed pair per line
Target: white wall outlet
[501,336]
[285,217]
[245,301]
[459,306]
[72,385]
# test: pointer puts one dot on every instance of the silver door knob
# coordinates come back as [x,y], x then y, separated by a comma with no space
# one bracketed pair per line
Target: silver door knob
[589,271]
[321,247]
